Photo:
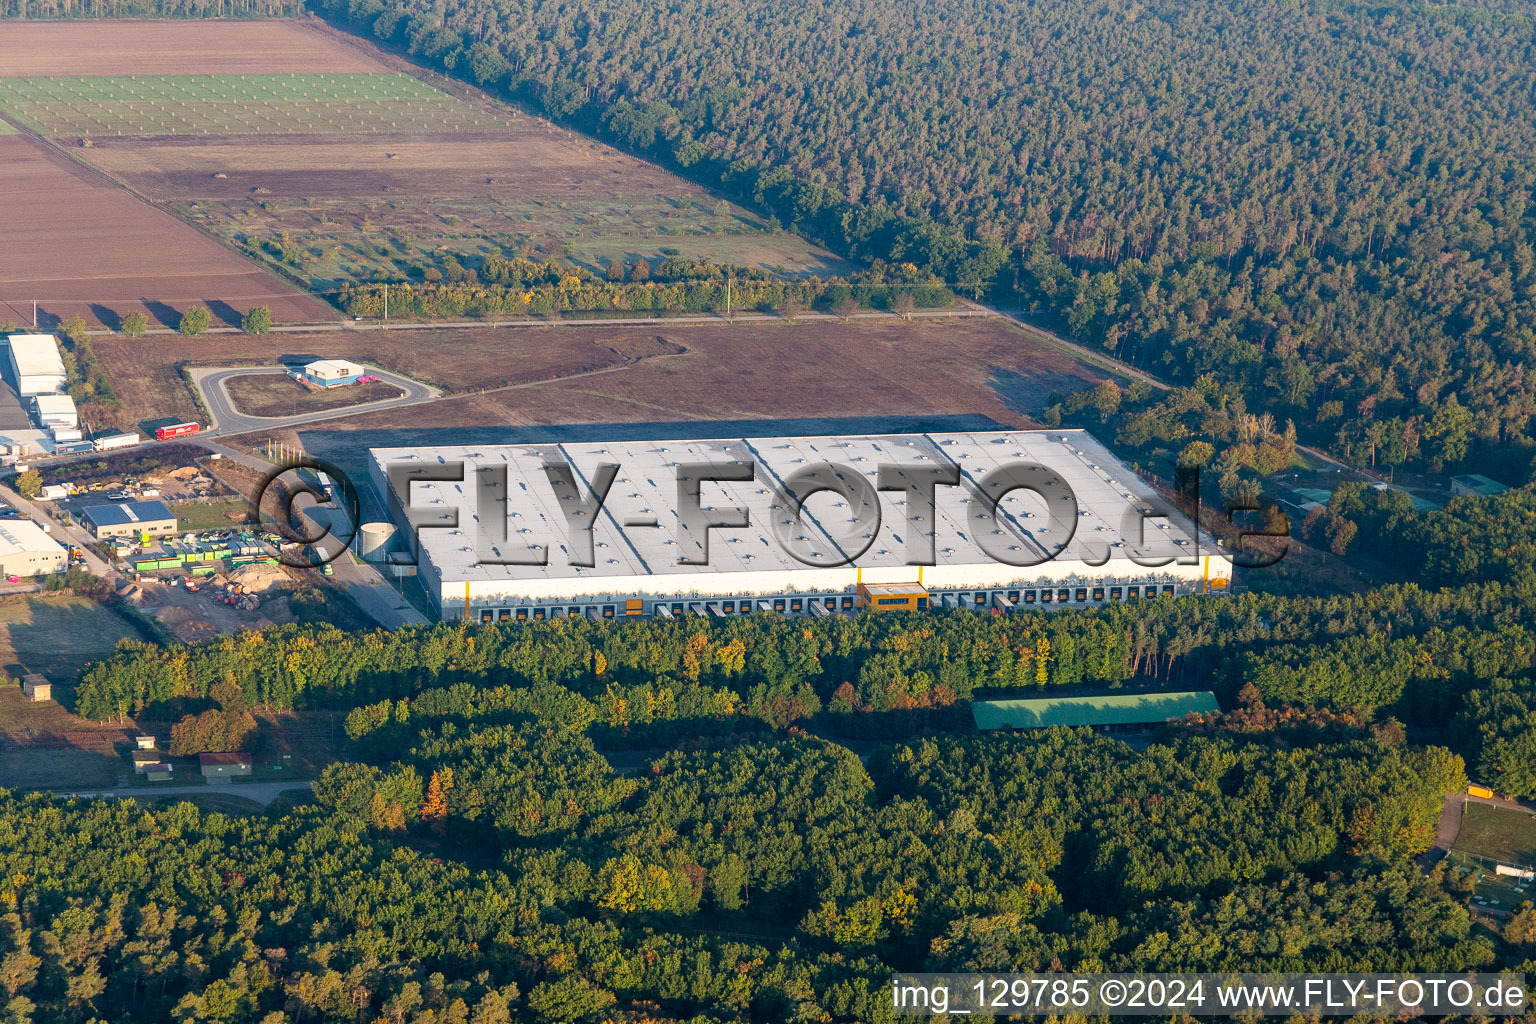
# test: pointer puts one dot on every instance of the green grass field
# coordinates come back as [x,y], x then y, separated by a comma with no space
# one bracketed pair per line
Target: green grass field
[215,515]
[1498,833]
[57,635]
[328,245]
[1491,836]
[237,105]
[6,128]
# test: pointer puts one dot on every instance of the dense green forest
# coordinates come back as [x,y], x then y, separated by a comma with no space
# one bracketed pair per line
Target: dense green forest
[510,873]
[1321,202]
[579,821]
[1425,649]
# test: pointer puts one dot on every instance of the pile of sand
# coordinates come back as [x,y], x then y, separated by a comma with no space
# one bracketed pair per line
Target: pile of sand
[259,578]
[138,596]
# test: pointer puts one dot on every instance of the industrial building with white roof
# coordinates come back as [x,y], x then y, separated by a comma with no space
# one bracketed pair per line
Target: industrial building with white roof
[1121,542]
[25,550]
[36,364]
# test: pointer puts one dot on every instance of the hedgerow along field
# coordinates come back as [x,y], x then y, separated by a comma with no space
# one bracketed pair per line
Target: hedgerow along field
[236,105]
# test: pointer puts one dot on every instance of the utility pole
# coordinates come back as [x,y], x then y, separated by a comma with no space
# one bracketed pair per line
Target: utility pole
[386,302]
[728,295]
[34,314]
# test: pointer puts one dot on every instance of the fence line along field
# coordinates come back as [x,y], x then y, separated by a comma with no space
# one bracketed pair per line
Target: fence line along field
[120,47]
[236,105]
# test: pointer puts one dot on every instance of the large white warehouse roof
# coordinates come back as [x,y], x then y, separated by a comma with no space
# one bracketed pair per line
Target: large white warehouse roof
[36,355]
[19,536]
[55,406]
[1111,503]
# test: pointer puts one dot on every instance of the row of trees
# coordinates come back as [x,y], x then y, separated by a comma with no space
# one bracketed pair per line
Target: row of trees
[53,9]
[519,287]
[889,662]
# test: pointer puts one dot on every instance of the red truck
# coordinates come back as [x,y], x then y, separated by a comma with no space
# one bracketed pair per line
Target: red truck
[176,430]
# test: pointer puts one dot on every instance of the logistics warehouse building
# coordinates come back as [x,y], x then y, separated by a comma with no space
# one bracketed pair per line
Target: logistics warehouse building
[496,504]
[129,519]
[25,550]
[36,365]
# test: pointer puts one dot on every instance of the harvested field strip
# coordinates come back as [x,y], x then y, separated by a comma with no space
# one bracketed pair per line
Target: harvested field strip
[75,244]
[237,105]
[186,47]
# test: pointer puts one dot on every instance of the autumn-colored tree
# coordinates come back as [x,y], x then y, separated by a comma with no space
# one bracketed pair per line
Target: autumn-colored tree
[434,809]
[214,731]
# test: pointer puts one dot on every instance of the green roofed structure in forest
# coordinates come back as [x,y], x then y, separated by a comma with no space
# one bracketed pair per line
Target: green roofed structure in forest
[1120,709]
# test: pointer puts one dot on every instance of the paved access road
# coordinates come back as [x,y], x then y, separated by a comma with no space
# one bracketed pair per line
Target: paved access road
[356,578]
[965,310]
[226,419]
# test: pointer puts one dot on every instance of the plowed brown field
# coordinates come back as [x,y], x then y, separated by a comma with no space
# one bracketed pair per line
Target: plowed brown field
[29,48]
[834,377]
[77,244]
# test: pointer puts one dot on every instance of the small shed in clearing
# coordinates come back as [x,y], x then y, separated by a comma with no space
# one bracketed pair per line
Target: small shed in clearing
[223,767]
[160,772]
[36,688]
[1113,710]
[144,760]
